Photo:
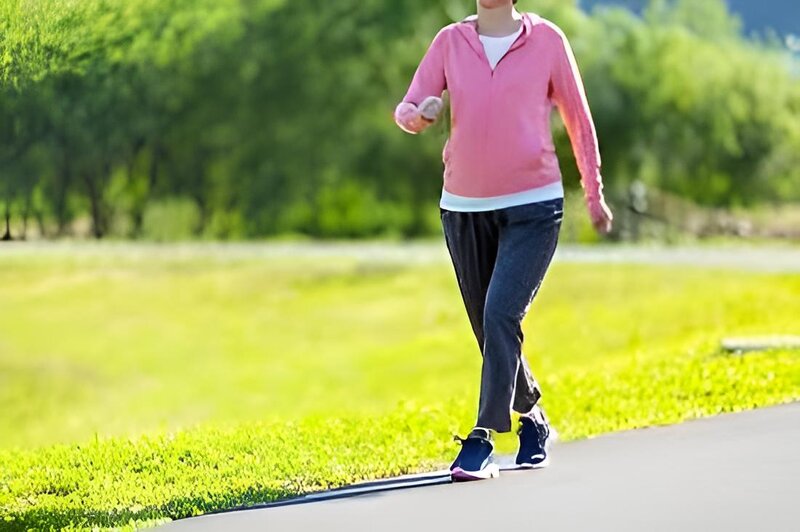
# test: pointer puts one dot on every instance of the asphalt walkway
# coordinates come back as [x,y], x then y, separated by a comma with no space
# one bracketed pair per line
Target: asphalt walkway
[731,472]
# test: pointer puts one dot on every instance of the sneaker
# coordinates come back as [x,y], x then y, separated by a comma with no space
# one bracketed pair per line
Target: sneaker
[474,461]
[535,437]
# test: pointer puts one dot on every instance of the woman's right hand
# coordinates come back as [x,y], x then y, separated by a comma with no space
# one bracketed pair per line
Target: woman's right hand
[431,107]
[413,119]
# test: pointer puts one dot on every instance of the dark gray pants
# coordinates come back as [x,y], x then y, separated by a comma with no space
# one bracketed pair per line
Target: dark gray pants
[500,258]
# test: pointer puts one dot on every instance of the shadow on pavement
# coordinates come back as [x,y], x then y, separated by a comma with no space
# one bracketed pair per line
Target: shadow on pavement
[365,488]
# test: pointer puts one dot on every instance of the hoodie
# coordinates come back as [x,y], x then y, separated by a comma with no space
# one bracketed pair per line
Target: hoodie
[500,141]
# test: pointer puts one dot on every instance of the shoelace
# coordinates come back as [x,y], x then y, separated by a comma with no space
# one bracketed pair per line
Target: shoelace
[462,441]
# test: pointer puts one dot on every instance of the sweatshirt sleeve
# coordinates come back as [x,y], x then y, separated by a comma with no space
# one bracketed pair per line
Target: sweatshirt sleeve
[567,91]
[429,78]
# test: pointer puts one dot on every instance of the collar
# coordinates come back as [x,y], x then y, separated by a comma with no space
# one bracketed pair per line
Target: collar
[468,28]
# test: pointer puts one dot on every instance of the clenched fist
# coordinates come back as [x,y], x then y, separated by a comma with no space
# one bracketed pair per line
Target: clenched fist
[413,119]
[430,108]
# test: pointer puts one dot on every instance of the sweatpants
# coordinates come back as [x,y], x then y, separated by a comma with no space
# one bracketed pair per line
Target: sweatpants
[500,258]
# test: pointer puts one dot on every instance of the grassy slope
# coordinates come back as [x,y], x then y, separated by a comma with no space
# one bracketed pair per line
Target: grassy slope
[217,383]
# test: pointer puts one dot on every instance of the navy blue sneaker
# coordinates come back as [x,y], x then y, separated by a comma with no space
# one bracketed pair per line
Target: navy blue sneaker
[475,461]
[535,437]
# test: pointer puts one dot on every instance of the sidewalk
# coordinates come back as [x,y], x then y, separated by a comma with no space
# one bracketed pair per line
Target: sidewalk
[731,472]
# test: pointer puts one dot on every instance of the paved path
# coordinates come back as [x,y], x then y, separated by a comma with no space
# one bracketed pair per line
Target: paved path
[767,258]
[729,473]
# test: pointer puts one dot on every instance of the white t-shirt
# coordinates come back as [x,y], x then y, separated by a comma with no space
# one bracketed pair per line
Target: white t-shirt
[496,48]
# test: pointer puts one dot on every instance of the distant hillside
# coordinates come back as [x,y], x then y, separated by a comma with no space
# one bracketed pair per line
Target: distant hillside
[780,15]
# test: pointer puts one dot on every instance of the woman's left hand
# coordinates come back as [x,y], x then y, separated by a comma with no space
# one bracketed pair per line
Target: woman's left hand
[600,214]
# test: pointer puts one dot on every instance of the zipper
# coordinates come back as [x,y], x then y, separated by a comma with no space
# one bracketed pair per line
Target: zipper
[498,63]
[510,49]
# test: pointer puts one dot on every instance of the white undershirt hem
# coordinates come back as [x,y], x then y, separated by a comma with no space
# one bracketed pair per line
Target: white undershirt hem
[454,202]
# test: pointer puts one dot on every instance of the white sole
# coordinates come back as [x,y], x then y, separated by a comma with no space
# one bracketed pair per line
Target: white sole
[490,471]
[540,465]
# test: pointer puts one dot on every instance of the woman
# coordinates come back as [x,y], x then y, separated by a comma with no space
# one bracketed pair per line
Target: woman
[502,198]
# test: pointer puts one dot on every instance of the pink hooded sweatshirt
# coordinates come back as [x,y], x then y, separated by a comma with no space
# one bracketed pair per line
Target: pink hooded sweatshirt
[500,140]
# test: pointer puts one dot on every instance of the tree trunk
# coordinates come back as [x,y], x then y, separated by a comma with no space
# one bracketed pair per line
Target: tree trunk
[39,215]
[65,176]
[7,235]
[152,177]
[199,193]
[26,211]
[91,189]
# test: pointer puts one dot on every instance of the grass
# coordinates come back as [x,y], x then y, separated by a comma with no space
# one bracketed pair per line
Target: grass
[139,387]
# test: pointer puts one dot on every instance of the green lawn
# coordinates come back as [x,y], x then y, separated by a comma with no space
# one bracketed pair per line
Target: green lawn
[142,386]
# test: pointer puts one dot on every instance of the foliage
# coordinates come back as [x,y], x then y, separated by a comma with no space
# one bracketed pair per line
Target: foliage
[254,110]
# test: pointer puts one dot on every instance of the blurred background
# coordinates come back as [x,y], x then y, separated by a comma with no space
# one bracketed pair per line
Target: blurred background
[250,119]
